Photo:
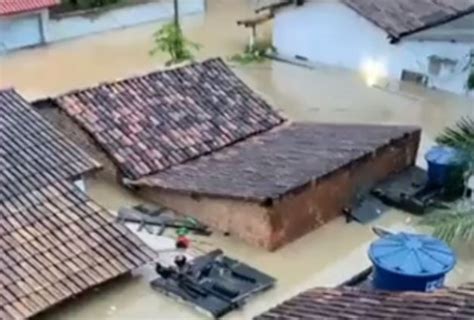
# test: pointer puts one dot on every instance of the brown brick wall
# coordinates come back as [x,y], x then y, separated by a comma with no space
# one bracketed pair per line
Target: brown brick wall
[299,212]
[323,200]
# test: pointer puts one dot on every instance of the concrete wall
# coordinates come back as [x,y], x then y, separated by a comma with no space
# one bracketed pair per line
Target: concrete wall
[329,32]
[296,213]
[31,29]
[22,30]
[67,27]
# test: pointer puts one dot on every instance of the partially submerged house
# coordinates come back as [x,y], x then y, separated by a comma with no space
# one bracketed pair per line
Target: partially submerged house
[23,23]
[430,42]
[55,242]
[357,303]
[200,141]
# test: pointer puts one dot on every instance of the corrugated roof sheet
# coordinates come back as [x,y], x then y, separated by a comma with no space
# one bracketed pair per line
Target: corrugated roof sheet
[363,304]
[32,152]
[18,6]
[55,243]
[276,162]
[153,122]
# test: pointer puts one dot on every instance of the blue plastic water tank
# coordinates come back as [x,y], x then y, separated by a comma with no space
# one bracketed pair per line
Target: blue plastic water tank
[410,262]
[442,161]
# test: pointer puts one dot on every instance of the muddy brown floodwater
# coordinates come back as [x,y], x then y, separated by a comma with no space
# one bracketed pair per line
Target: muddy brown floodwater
[324,257]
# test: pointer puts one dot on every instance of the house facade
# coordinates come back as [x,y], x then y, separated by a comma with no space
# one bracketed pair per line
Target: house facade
[432,44]
[23,23]
[28,23]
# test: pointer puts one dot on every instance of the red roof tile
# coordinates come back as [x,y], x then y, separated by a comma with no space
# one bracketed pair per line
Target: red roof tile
[56,243]
[275,162]
[152,122]
[32,152]
[17,6]
[354,303]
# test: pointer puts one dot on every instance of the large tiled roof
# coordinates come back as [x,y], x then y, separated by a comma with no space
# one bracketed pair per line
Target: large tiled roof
[354,303]
[276,162]
[17,6]
[402,17]
[55,243]
[152,122]
[32,152]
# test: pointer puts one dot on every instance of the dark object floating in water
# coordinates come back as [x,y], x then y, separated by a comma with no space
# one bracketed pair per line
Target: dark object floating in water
[365,210]
[213,283]
[162,217]
[411,191]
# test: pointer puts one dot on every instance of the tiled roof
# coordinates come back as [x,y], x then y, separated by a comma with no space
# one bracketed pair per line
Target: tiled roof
[275,162]
[152,122]
[402,17]
[55,243]
[32,152]
[353,303]
[17,6]
[399,17]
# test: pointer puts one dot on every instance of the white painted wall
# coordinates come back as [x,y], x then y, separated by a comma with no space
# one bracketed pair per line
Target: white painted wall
[21,30]
[80,184]
[325,31]
[80,25]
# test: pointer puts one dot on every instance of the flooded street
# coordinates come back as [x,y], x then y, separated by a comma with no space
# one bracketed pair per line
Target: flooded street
[327,256]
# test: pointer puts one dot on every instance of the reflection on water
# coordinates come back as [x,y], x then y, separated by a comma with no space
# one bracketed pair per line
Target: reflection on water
[327,256]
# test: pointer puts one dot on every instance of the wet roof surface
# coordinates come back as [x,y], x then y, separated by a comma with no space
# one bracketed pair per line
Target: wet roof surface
[152,122]
[17,6]
[399,17]
[353,303]
[56,243]
[32,152]
[402,17]
[273,163]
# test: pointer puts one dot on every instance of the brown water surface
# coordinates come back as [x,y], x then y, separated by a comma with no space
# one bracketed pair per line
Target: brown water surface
[325,257]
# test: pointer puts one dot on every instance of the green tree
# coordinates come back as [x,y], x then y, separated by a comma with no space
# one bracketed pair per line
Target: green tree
[456,223]
[171,40]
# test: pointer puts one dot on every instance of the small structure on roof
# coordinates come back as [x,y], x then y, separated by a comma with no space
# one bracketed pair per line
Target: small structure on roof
[426,41]
[198,140]
[55,241]
[23,22]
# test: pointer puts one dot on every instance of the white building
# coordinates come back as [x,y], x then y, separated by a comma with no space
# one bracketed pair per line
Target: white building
[427,41]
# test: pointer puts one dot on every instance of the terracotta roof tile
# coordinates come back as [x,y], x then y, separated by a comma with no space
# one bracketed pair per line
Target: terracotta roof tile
[402,17]
[152,122]
[32,152]
[354,303]
[17,6]
[276,162]
[57,244]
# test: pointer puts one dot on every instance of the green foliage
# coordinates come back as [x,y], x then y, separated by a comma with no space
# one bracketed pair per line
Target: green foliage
[171,40]
[460,136]
[87,4]
[457,223]
[470,81]
[256,53]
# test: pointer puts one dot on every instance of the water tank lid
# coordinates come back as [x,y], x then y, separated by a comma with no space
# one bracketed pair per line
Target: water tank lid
[412,255]
[444,155]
